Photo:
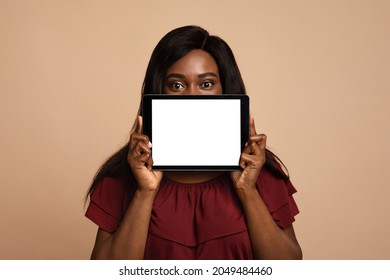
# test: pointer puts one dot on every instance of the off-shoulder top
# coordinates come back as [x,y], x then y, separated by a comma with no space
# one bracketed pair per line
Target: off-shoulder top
[196,220]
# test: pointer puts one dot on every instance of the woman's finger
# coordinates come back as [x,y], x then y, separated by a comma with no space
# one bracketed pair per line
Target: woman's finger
[255,145]
[140,160]
[252,128]
[136,137]
[251,148]
[250,160]
[139,126]
[259,139]
[149,163]
[141,148]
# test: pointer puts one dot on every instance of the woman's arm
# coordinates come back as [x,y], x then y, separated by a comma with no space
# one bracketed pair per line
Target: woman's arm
[128,241]
[268,240]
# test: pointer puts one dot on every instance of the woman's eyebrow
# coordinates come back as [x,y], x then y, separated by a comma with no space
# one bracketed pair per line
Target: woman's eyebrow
[181,76]
[207,74]
[174,75]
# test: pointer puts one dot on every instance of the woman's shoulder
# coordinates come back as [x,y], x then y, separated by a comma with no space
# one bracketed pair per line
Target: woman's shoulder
[268,180]
[113,187]
[277,194]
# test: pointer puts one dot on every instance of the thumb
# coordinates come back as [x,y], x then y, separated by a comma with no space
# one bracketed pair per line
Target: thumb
[139,126]
[252,128]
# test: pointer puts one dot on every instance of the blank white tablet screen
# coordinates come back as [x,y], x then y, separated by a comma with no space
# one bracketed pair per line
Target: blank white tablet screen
[192,132]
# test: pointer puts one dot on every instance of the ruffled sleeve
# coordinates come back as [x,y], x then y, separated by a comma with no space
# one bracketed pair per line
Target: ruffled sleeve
[277,195]
[108,203]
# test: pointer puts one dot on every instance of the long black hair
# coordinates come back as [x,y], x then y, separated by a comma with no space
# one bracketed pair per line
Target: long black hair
[173,46]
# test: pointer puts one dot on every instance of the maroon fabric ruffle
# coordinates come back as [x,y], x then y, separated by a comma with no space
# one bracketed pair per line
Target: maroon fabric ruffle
[194,221]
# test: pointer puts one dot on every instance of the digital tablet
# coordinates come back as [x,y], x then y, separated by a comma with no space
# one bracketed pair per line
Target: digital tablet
[196,132]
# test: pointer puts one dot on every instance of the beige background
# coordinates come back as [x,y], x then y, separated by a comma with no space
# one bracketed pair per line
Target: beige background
[317,73]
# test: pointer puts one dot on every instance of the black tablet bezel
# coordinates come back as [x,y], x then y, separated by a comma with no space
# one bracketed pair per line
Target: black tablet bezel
[147,124]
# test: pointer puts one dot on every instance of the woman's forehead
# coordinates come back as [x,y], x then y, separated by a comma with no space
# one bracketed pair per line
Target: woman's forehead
[195,62]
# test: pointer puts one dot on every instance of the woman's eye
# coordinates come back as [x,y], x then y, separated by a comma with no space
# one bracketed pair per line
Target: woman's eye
[207,84]
[177,86]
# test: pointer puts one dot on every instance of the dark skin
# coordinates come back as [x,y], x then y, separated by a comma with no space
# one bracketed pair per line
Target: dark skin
[196,73]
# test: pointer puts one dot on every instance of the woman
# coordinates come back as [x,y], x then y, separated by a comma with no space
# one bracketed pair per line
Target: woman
[148,214]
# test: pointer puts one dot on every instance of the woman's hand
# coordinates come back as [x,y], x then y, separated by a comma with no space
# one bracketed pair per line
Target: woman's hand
[129,239]
[140,161]
[268,240]
[251,161]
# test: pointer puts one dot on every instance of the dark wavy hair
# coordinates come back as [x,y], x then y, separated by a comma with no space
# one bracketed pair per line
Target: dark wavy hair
[173,46]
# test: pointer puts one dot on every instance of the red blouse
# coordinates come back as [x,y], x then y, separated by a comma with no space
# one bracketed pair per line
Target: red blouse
[194,221]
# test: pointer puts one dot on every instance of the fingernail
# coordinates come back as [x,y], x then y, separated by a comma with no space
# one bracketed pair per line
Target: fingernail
[150,144]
